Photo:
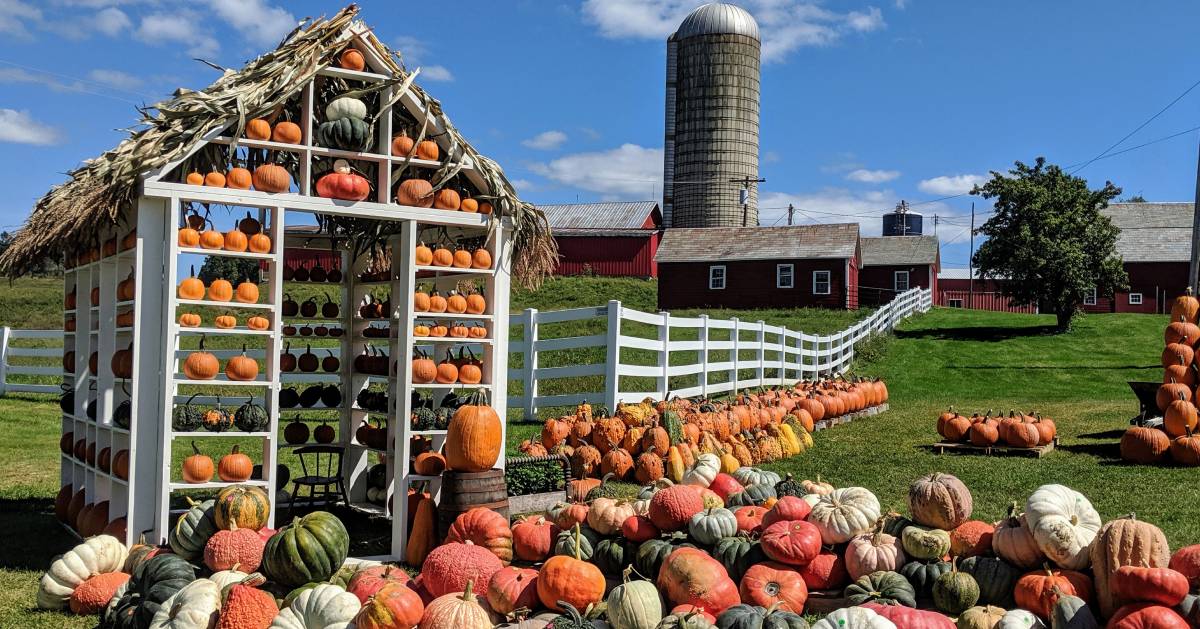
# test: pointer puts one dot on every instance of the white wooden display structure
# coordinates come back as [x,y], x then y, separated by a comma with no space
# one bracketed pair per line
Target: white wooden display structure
[155,388]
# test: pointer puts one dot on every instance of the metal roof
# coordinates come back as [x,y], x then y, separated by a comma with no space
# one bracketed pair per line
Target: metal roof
[718,18]
[963,274]
[603,216]
[1152,232]
[711,244]
[899,250]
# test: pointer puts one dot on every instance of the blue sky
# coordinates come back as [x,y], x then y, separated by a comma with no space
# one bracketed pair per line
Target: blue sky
[864,102]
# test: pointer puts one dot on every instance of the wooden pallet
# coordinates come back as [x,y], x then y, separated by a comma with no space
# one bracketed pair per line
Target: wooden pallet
[822,602]
[849,417]
[946,447]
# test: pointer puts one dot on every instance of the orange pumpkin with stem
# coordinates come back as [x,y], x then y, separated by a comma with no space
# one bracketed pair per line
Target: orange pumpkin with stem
[447,370]
[190,320]
[476,304]
[429,464]
[225,321]
[259,243]
[423,255]
[568,579]
[352,59]
[195,179]
[220,290]
[238,178]
[473,438]
[258,129]
[481,259]
[272,178]
[258,323]
[456,303]
[287,133]
[424,371]
[197,468]
[191,287]
[442,257]
[235,467]
[478,332]
[235,240]
[420,301]
[247,292]
[211,238]
[462,259]
[241,368]
[201,365]
[188,237]
[437,303]
[470,373]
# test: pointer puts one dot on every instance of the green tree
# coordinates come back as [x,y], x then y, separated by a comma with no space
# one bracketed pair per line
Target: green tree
[1049,239]
[232,269]
[1137,198]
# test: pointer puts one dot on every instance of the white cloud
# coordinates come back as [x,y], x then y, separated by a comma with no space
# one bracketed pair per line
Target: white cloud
[865,207]
[178,27]
[523,185]
[115,78]
[626,171]
[263,23]
[863,175]
[112,21]
[946,185]
[20,128]
[590,133]
[13,15]
[436,73]
[771,157]
[901,4]
[546,140]
[413,52]
[785,25]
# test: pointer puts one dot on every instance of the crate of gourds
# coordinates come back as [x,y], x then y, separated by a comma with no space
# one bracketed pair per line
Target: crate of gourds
[1024,433]
[1170,436]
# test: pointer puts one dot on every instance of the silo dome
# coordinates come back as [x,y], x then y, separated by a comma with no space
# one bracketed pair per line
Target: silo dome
[718,18]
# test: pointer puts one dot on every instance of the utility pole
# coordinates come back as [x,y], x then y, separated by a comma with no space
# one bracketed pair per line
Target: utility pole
[935,224]
[1194,269]
[791,212]
[745,196]
[971,262]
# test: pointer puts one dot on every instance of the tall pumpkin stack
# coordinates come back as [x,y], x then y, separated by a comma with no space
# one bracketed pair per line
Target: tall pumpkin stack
[1172,438]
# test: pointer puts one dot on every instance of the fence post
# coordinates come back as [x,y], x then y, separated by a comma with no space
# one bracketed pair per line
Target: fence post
[4,334]
[703,355]
[612,364]
[735,338]
[531,362]
[761,339]
[664,354]
[783,354]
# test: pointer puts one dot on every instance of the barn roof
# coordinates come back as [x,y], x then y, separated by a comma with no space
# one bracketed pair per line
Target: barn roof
[71,215]
[1152,232]
[899,250]
[711,244]
[619,215]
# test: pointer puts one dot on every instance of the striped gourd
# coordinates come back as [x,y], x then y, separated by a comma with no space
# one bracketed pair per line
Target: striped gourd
[247,505]
[311,548]
[192,530]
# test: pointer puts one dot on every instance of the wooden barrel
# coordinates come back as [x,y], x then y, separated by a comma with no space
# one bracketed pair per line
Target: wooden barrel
[463,491]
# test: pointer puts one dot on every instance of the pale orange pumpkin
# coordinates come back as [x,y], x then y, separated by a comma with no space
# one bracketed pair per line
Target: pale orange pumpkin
[258,323]
[197,468]
[239,178]
[201,365]
[211,238]
[447,199]
[247,292]
[220,290]
[235,240]
[415,192]
[287,133]
[188,237]
[190,320]
[272,178]
[191,287]
[423,255]
[225,321]
[241,368]
[215,179]
[481,259]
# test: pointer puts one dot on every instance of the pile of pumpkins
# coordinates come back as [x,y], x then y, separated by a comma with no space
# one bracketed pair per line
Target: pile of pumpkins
[1170,437]
[1029,430]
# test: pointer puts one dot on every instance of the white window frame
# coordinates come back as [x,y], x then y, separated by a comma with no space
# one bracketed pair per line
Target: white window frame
[782,270]
[828,282]
[896,281]
[1131,299]
[1089,298]
[717,274]
[954,303]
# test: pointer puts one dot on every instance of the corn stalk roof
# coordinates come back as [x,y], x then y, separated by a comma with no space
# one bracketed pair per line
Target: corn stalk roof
[72,215]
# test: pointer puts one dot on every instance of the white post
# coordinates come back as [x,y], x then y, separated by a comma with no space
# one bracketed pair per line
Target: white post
[733,373]
[4,334]
[664,354]
[761,339]
[613,362]
[703,329]
[529,318]
[783,355]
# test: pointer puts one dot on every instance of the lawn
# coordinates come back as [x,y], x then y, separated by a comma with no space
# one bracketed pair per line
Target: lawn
[973,360]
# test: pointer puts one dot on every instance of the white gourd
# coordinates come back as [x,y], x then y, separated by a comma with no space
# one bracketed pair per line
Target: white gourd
[704,471]
[1064,524]
[195,606]
[854,618]
[641,507]
[712,525]
[844,513]
[326,606]
[345,108]
[1020,619]
[96,555]
[226,578]
[634,605]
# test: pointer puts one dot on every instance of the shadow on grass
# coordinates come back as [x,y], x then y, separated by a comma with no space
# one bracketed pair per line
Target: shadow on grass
[981,333]
[1107,434]
[1109,451]
[31,523]
[1056,367]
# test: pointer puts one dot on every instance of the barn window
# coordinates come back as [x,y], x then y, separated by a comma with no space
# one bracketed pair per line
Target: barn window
[1089,298]
[1135,299]
[716,277]
[955,303]
[900,281]
[820,282]
[784,276]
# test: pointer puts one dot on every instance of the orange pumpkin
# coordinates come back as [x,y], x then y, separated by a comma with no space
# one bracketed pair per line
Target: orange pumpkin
[258,129]
[201,365]
[235,467]
[415,193]
[188,237]
[225,322]
[287,133]
[423,255]
[473,439]
[211,238]
[481,259]
[195,179]
[215,179]
[197,468]
[258,323]
[191,287]
[241,368]
[352,59]
[447,371]
[235,240]
[272,178]
[484,528]
[462,259]
[443,257]
[568,579]
[456,303]
[247,292]
[238,178]
[259,243]
[429,464]
[476,304]
[424,371]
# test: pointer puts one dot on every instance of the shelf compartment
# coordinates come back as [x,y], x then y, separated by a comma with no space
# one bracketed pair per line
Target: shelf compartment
[299,376]
[226,433]
[228,254]
[447,387]
[448,316]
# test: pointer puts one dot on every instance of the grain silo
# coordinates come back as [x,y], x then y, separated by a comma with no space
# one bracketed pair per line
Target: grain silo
[712,119]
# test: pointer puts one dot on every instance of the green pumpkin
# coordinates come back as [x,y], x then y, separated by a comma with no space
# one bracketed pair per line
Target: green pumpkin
[251,417]
[424,419]
[748,476]
[634,605]
[564,544]
[925,543]
[884,586]
[613,555]
[1072,612]
[996,579]
[121,415]
[570,619]
[894,524]
[754,495]
[737,554]
[311,548]
[955,592]
[1189,608]
[192,530]
[444,414]
[187,418]
[152,583]
[651,554]
[754,617]
[604,490]
[789,486]
[347,134]
[922,575]
[674,427]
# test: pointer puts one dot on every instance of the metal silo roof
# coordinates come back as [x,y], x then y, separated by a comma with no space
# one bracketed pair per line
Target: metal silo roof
[718,18]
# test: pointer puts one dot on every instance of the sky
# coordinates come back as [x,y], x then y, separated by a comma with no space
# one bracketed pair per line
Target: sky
[865,102]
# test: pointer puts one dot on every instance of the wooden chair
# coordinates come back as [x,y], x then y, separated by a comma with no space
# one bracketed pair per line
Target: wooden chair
[321,473]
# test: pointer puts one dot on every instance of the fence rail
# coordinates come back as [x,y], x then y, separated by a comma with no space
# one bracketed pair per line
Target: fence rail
[684,356]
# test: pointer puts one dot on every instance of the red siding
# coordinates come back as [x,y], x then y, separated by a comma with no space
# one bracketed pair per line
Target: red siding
[981,301]
[294,258]
[876,284]
[751,284]
[1158,282]
[616,256]
[981,285]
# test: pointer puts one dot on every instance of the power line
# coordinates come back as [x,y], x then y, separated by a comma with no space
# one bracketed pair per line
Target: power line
[1138,128]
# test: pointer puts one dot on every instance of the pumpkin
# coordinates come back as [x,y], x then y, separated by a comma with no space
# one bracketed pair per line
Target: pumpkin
[711,525]
[93,595]
[883,586]
[97,555]
[197,467]
[191,287]
[201,365]
[872,552]
[844,513]
[971,538]
[689,576]
[1038,591]
[286,133]
[422,537]
[192,530]
[567,514]
[512,588]
[757,617]
[981,617]
[1072,612]
[1064,523]
[345,107]
[234,467]
[394,604]
[854,618]
[1186,561]
[1144,445]
[367,581]
[750,518]
[415,193]
[234,548]
[606,515]
[795,543]
[1146,616]
[449,567]
[473,440]
[613,555]
[241,368]
[955,592]
[1014,541]
[776,585]
[738,555]
[910,618]
[570,580]
[634,605]
[310,548]
[1124,541]
[996,578]
[923,574]
[272,178]
[1020,619]
[1163,586]
[939,501]
[788,509]
[485,528]
[258,129]
[152,583]
[324,605]
[244,506]
[343,183]
[672,508]
[924,543]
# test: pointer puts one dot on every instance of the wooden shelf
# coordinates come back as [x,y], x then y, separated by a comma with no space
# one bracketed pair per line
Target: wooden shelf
[446,316]
[447,387]
[320,376]
[222,304]
[427,433]
[228,254]
[446,340]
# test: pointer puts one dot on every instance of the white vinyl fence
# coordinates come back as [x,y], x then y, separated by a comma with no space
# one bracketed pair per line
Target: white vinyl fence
[639,354]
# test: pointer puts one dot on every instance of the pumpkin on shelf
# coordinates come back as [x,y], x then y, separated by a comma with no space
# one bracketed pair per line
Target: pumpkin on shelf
[481,259]
[225,321]
[447,199]
[272,178]
[220,290]
[216,419]
[127,288]
[296,432]
[191,287]
[197,467]
[241,368]
[287,133]
[352,59]
[415,193]
[211,238]
[238,178]
[258,323]
[246,292]
[343,183]
[234,467]
[437,303]
[443,256]
[250,417]
[201,365]
[258,129]
[235,240]
[307,362]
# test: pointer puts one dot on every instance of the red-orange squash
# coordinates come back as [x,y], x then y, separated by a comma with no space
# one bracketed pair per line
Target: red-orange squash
[485,528]
[689,576]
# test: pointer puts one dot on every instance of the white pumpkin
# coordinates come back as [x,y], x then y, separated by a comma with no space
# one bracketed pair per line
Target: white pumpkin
[634,605]
[854,618]
[641,507]
[606,515]
[196,606]
[1064,524]
[704,471]
[345,108]
[226,578]
[1020,619]
[844,513]
[326,606]
[96,555]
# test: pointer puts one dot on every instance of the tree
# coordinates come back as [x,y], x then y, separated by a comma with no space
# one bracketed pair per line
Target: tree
[232,269]
[1137,198]
[1049,239]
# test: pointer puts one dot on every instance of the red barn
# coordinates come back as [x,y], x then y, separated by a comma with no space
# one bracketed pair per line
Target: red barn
[894,264]
[613,239]
[1156,245]
[954,290]
[759,267]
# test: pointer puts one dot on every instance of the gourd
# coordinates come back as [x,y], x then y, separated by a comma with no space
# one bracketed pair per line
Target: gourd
[939,501]
[197,604]
[606,515]
[486,529]
[1064,523]
[634,604]
[854,618]
[343,183]
[97,555]
[1020,619]
[711,525]
[774,585]
[884,587]
[755,617]
[922,575]
[250,417]
[325,606]
[422,537]
[704,471]
[871,552]
[844,513]
[1071,612]
[153,582]
[460,610]
[996,578]
[185,417]
[689,576]
[192,530]
[1124,541]
[345,107]
[955,592]
[981,617]
[311,548]
[449,567]
[795,543]
[738,555]
[922,543]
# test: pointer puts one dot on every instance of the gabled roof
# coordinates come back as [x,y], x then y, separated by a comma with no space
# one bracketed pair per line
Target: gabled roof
[620,218]
[963,274]
[711,244]
[1152,232]
[899,250]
